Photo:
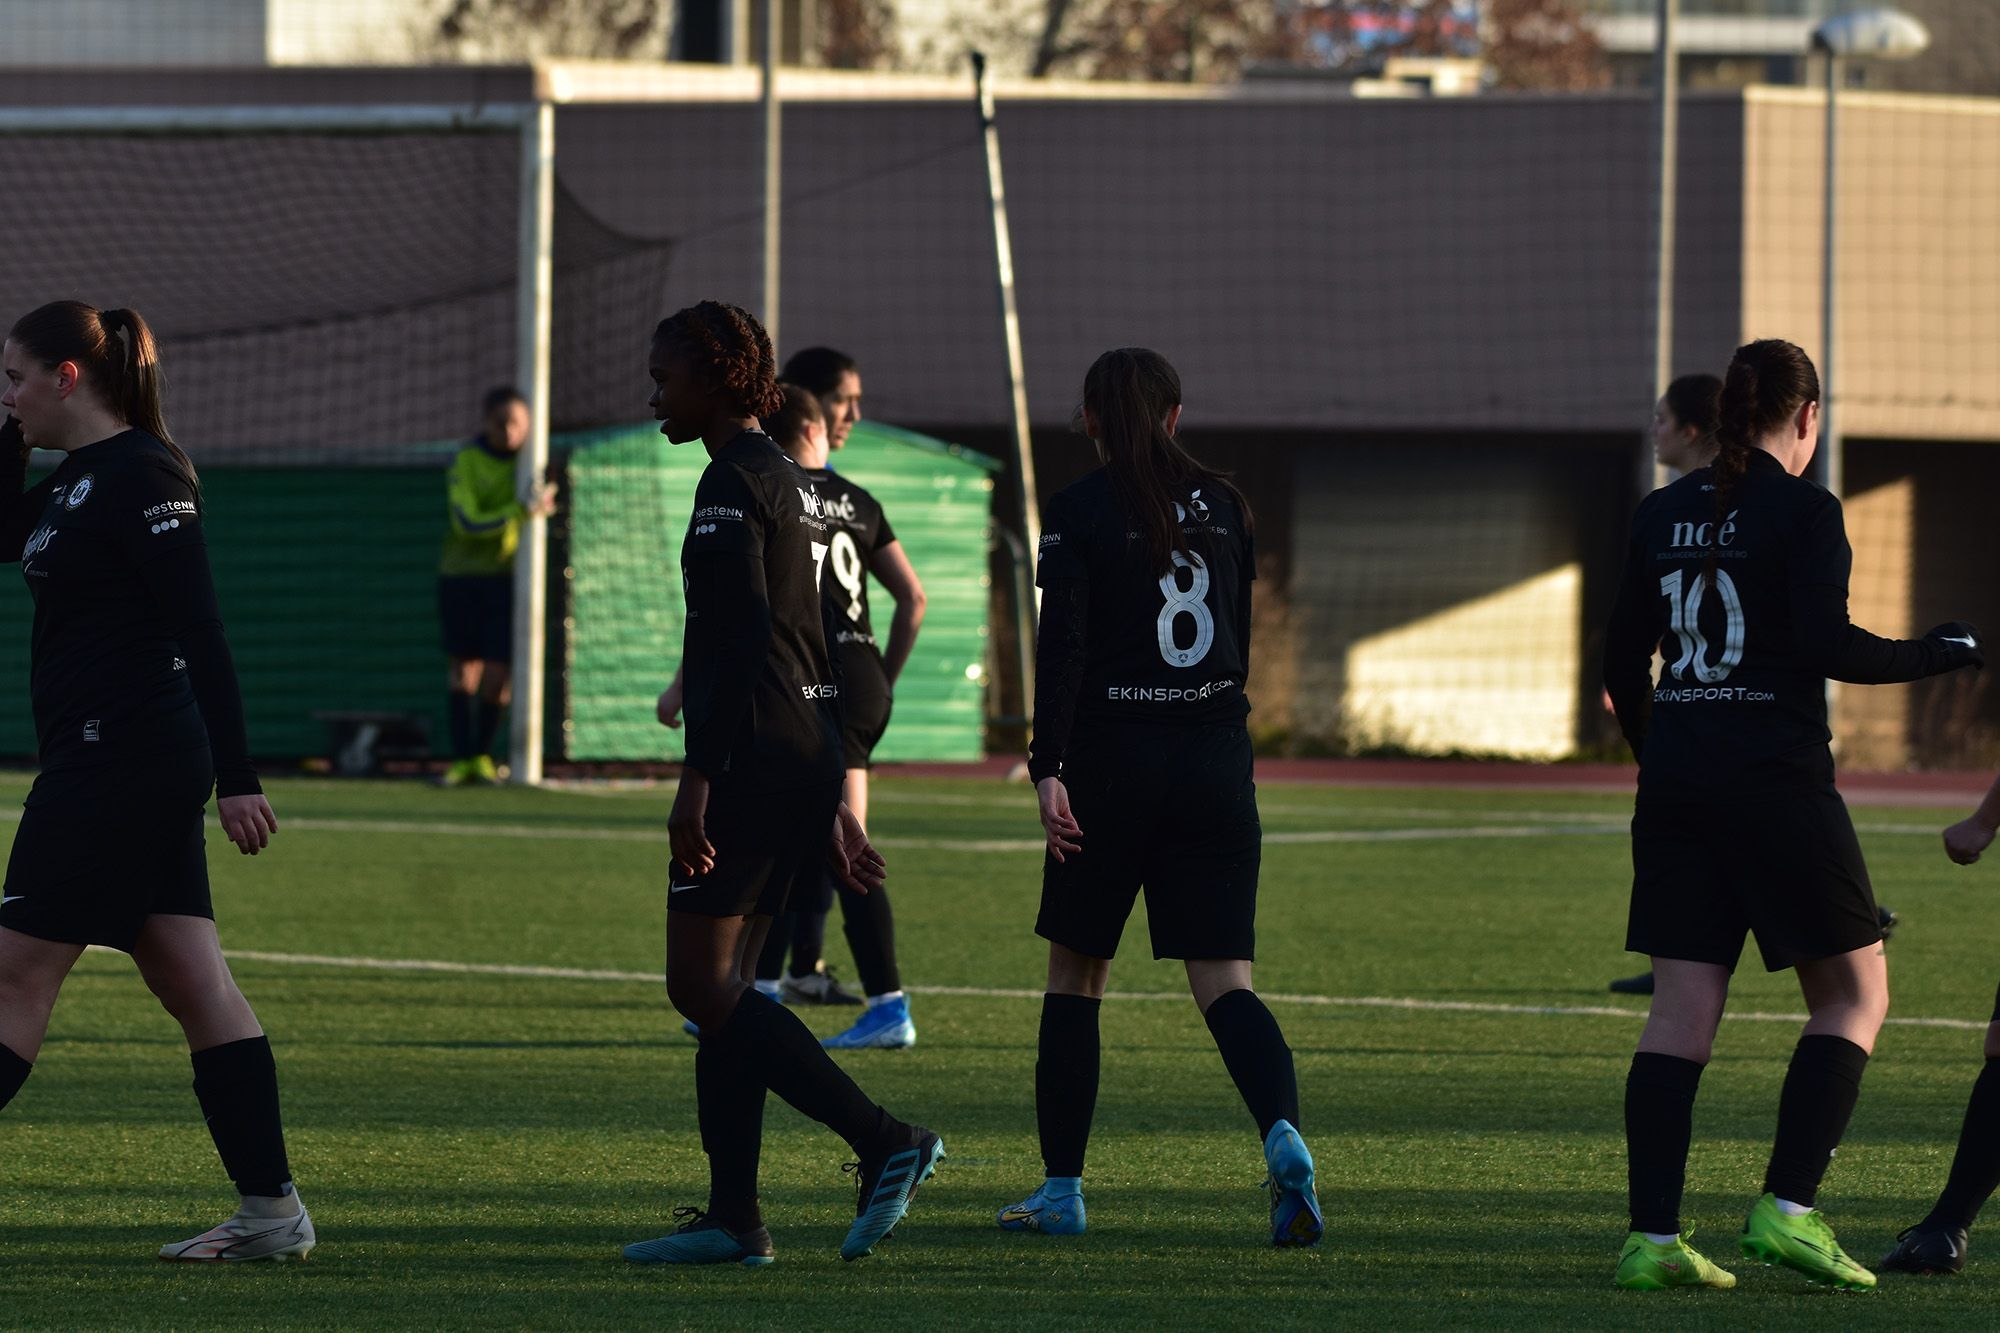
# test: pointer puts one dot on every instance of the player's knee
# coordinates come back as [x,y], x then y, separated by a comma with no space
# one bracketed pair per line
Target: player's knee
[23,991]
[698,997]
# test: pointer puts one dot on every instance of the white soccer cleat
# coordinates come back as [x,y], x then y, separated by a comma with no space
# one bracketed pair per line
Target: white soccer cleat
[243,1239]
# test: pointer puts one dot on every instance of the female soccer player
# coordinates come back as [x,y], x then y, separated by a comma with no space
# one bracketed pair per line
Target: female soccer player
[862,544]
[137,717]
[1738,573]
[1938,1243]
[1142,764]
[758,816]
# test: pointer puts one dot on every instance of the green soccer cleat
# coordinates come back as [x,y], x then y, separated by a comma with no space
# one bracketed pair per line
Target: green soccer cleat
[1646,1266]
[1804,1244]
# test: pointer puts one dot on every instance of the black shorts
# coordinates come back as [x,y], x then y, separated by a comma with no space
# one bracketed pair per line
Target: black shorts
[476,614]
[101,849]
[1168,809]
[864,703]
[1786,867]
[768,848]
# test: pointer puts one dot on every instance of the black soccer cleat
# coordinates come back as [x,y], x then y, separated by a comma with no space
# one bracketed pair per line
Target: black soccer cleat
[1927,1249]
[1639,985]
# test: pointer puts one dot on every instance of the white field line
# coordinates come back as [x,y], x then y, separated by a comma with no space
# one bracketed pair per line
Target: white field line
[435,965]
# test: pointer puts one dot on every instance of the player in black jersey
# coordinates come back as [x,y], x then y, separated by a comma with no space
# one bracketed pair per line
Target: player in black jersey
[137,717]
[862,544]
[1938,1243]
[1738,574]
[758,814]
[1142,764]
[1683,433]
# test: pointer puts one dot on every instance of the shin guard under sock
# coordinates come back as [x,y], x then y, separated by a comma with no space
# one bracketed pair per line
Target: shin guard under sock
[1253,1048]
[1821,1087]
[237,1086]
[1975,1170]
[730,1103]
[13,1073]
[1066,1071]
[776,1047]
[1659,1125]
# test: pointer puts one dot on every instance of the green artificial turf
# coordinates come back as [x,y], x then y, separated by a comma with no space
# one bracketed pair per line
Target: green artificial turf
[476,1148]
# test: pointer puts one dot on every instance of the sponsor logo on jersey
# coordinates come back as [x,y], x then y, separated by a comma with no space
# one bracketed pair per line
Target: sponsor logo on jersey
[1703,535]
[718,514]
[1168,694]
[1050,539]
[165,525]
[38,541]
[180,664]
[1196,508]
[842,509]
[1712,694]
[820,691]
[814,506]
[92,730]
[79,490]
[169,507]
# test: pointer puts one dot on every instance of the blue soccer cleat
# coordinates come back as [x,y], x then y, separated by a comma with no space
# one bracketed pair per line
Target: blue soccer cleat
[880,1027]
[702,1240]
[1051,1213]
[1295,1215]
[884,1188]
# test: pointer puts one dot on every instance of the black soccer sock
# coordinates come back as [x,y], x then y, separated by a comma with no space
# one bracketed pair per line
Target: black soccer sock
[729,1101]
[870,928]
[237,1086]
[1821,1087]
[808,942]
[1066,1080]
[776,1047]
[485,724]
[459,713]
[1253,1048]
[14,1072]
[771,961]
[1975,1170]
[1659,1125]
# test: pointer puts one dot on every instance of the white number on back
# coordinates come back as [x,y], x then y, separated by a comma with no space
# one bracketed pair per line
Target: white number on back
[1681,619]
[848,572]
[1187,601]
[819,564]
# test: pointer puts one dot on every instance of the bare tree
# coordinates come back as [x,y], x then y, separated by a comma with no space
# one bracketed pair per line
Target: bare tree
[857,34]
[1543,46]
[1180,40]
[514,29]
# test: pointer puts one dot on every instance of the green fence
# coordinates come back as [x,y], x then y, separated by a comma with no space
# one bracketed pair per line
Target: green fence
[328,579]
[628,499]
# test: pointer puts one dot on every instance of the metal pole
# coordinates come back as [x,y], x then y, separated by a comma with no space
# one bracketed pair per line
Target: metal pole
[1667,118]
[773,149]
[1010,318]
[534,287]
[1830,467]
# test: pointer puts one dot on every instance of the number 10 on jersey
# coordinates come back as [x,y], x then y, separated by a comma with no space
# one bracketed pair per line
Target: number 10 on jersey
[1682,613]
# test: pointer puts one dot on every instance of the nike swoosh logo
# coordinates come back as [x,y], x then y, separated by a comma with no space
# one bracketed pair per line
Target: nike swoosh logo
[680,888]
[17,898]
[1019,1214]
[1970,643]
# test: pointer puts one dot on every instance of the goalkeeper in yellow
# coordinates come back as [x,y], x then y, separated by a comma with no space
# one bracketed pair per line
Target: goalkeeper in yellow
[476,581]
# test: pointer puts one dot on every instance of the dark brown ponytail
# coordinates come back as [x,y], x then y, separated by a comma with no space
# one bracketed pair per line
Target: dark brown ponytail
[1767,383]
[1130,391]
[118,356]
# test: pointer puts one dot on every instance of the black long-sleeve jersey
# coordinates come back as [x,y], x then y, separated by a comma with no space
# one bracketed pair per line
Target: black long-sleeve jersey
[129,657]
[762,694]
[857,529]
[1741,705]
[1121,641]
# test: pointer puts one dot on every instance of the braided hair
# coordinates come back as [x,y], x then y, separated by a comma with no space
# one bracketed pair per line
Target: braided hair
[731,352]
[1768,381]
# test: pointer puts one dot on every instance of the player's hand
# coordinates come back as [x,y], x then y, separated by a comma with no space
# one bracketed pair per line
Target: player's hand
[542,502]
[1965,840]
[668,709]
[685,834]
[247,821]
[1058,824]
[1962,644]
[852,856]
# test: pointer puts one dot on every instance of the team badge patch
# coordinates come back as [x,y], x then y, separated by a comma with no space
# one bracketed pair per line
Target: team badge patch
[79,491]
